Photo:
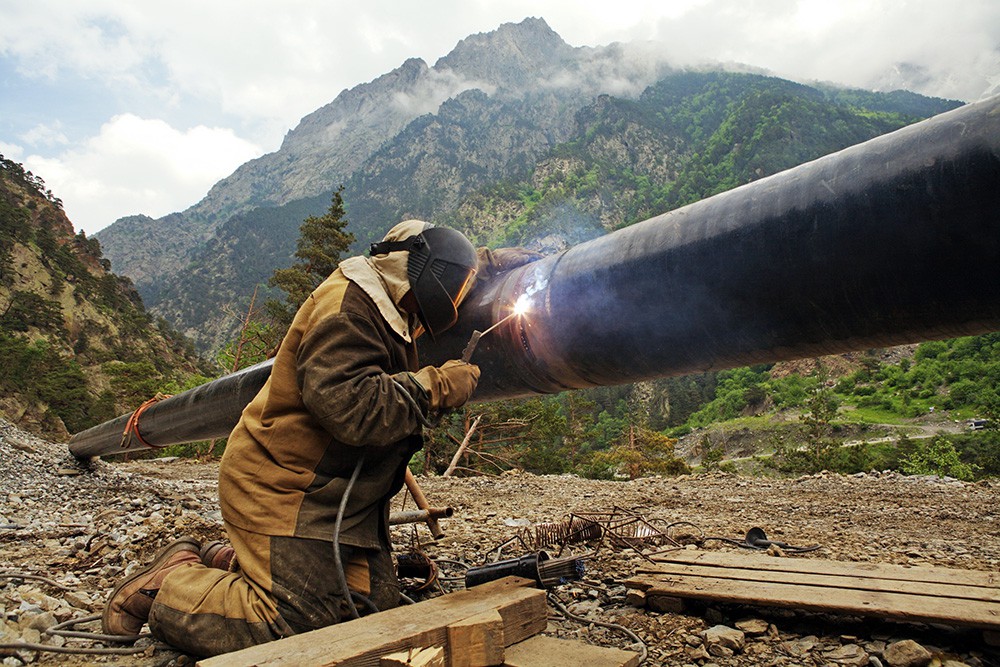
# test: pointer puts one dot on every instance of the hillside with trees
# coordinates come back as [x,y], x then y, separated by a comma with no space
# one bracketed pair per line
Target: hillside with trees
[77,347]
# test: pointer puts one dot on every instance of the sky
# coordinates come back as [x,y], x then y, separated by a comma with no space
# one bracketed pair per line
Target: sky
[140,107]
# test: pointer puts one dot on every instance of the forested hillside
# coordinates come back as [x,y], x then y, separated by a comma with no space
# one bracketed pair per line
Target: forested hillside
[689,136]
[76,345]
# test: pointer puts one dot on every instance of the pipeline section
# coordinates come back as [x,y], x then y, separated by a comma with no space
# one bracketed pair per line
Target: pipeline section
[893,241]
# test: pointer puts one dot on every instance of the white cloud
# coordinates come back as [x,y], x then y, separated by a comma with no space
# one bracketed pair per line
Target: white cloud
[436,88]
[137,165]
[45,135]
[267,64]
[11,151]
[853,42]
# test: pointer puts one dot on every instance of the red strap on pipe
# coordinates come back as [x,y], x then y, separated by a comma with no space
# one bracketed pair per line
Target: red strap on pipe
[132,426]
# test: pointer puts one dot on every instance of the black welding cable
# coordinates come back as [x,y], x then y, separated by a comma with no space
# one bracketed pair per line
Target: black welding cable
[59,630]
[611,626]
[408,397]
[11,574]
[337,560]
[365,602]
[23,646]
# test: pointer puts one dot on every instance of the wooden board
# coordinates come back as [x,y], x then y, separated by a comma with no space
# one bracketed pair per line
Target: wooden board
[363,641]
[432,656]
[552,652]
[757,561]
[917,594]
[477,641]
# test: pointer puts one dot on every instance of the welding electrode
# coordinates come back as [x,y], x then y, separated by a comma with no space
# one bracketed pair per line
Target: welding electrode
[470,347]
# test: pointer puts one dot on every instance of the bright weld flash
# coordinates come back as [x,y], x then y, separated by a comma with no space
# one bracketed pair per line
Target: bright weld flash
[520,308]
[521,305]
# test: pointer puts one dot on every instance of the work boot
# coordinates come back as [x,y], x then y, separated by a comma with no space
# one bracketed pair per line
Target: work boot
[128,606]
[219,555]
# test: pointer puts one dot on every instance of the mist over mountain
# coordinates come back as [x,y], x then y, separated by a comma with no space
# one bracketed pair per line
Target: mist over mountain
[513,137]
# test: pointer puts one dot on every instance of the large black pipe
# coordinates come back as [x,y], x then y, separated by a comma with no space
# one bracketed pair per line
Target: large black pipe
[208,411]
[891,241]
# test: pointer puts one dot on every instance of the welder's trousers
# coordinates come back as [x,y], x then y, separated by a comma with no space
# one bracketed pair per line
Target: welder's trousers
[283,586]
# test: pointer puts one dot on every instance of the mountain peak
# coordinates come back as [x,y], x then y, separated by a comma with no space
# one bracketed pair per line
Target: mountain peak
[509,56]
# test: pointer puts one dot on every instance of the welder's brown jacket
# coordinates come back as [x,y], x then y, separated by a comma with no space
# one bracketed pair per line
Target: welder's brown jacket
[332,396]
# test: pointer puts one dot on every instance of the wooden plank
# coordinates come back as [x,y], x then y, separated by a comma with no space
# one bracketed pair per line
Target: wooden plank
[433,656]
[896,606]
[363,641]
[921,588]
[929,574]
[477,641]
[553,652]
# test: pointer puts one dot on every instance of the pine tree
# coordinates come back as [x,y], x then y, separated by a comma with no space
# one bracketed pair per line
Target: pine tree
[321,240]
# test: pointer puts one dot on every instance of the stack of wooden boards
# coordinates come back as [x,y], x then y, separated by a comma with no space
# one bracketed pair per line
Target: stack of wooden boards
[491,624]
[904,593]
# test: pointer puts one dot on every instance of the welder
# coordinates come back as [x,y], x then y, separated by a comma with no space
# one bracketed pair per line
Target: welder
[308,472]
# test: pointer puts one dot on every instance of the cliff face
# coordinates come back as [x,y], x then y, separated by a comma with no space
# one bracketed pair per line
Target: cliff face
[331,143]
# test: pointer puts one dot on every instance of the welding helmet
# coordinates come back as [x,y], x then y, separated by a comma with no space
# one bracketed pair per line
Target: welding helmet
[440,268]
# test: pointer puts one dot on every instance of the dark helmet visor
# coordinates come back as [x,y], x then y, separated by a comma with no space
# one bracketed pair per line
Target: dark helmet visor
[441,271]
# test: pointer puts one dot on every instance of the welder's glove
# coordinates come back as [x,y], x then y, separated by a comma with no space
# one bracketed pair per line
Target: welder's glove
[494,262]
[449,386]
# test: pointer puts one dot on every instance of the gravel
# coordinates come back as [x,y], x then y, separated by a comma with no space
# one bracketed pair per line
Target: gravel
[68,532]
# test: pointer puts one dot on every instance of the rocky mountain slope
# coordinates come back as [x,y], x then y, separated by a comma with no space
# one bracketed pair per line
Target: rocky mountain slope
[514,137]
[333,142]
[76,345]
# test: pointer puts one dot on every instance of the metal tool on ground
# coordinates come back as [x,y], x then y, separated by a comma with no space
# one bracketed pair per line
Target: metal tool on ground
[540,567]
[621,528]
[757,539]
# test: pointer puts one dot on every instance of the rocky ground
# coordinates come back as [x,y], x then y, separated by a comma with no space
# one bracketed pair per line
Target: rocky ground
[67,533]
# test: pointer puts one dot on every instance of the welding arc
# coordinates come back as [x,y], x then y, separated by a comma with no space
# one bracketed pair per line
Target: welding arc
[500,322]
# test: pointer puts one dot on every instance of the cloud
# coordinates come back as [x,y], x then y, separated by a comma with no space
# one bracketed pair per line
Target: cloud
[11,151]
[952,50]
[45,135]
[266,65]
[435,88]
[137,165]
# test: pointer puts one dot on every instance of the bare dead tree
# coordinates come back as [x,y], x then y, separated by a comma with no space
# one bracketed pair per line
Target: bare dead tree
[464,445]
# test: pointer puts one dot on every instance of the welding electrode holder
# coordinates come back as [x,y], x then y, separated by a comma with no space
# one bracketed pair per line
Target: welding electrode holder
[471,346]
